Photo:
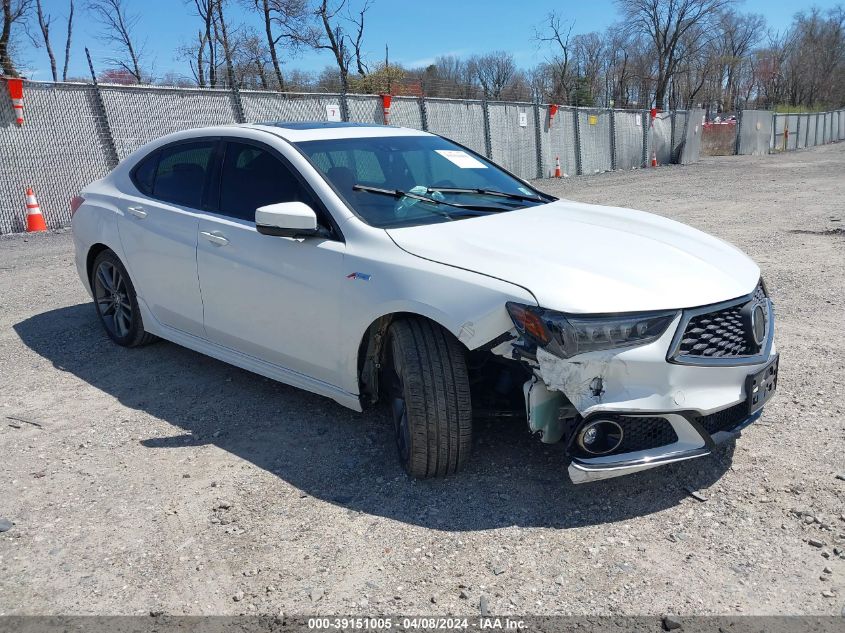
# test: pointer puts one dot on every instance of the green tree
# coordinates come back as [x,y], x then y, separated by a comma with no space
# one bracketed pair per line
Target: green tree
[583,95]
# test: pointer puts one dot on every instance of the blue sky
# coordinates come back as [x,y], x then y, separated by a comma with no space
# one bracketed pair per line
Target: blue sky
[416,31]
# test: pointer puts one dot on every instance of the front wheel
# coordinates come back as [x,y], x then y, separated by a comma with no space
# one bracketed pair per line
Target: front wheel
[428,392]
[116,302]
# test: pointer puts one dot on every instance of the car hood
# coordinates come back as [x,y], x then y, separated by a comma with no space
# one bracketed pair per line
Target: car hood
[586,258]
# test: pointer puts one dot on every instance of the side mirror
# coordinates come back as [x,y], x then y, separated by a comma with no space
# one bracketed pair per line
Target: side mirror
[286,219]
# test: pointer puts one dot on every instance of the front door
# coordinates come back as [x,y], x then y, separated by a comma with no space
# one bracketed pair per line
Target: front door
[274,298]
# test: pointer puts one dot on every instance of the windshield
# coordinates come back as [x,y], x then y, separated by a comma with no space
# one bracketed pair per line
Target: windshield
[410,180]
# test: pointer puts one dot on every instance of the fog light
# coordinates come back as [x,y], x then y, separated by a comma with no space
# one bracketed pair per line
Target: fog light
[600,437]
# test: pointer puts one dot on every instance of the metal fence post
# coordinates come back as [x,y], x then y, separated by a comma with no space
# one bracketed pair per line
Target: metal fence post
[682,147]
[488,141]
[798,133]
[344,106]
[738,132]
[645,115]
[237,104]
[577,136]
[102,119]
[672,116]
[613,157]
[538,135]
[773,141]
[423,114]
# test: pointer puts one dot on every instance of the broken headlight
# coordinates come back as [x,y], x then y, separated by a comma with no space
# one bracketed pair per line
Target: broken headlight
[568,335]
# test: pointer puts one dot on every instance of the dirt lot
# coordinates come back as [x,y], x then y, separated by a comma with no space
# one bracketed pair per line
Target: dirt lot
[161,480]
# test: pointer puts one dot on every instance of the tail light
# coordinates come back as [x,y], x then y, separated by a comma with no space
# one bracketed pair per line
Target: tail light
[75,203]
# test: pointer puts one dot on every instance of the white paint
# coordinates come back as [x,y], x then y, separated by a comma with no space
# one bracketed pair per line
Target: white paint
[585,258]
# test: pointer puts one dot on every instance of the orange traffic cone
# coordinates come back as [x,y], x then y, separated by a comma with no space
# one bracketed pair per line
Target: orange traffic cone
[34,219]
[557,166]
[15,87]
[654,159]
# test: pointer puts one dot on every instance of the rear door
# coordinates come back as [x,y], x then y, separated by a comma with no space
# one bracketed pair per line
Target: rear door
[274,298]
[158,231]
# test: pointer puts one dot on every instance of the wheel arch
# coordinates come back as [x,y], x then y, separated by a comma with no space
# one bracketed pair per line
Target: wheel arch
[371,350]
[93,253]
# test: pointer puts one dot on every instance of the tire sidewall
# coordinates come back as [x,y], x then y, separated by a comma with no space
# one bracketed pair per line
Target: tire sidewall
[397,364]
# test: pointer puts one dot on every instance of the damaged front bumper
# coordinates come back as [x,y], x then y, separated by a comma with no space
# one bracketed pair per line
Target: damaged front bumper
[669,412]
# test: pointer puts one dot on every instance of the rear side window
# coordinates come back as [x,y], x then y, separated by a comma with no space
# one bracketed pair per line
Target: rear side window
[181,173]
[144,174]
[252,177]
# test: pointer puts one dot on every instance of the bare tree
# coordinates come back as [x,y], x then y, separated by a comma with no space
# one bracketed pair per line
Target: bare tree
[590,57]
[195,53]
[223,37]
[44,23]
[68,40]
[284,21]
[251,61]
[13,10]
[118,27]
[739,33]
[203,50]
[333,35]
[494,72]
[667,22]
[359,36]
[451,77]
[558,34]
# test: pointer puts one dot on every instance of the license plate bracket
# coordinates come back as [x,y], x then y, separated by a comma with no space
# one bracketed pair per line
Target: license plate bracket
[761,385]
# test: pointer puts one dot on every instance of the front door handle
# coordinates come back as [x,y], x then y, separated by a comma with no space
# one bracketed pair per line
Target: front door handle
[138,212]
[215,238]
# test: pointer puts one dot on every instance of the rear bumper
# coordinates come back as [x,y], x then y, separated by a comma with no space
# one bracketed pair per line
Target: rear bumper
[693,441]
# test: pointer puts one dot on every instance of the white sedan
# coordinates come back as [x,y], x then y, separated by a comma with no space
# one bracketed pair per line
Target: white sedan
[369,263]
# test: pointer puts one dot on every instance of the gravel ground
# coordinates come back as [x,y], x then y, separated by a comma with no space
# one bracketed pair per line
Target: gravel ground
[159,480]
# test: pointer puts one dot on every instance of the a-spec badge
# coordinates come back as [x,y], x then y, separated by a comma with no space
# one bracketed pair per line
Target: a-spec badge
[361,276]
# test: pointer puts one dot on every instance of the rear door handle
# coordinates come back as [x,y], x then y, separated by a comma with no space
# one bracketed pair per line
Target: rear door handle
[215,238]
[138,212]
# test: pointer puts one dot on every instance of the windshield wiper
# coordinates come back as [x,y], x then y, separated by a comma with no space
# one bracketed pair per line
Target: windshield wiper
[398,193]
[485,192]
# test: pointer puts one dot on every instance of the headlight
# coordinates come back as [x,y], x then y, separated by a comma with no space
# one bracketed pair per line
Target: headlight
[567,335]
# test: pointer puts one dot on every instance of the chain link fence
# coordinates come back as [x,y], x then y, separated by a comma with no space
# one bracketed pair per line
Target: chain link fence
[60,149]
[75,133]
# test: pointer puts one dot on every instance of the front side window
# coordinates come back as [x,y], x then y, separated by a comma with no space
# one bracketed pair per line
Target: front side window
[181,174]
[251,178]
[409,180]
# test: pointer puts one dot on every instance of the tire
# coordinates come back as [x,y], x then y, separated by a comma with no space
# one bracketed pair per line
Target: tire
[116,302]
[428,392]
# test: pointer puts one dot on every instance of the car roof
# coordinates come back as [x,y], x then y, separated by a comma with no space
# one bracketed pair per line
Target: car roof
[298,131]
[293,132]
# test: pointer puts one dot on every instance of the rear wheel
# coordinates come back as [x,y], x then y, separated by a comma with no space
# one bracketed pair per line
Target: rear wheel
[116,302]
[428,393]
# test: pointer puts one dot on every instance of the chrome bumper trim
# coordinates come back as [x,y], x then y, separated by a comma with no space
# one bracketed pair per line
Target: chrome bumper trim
[581,471]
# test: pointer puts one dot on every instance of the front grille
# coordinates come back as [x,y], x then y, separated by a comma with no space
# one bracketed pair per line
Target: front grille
[723,420]
[721,333]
